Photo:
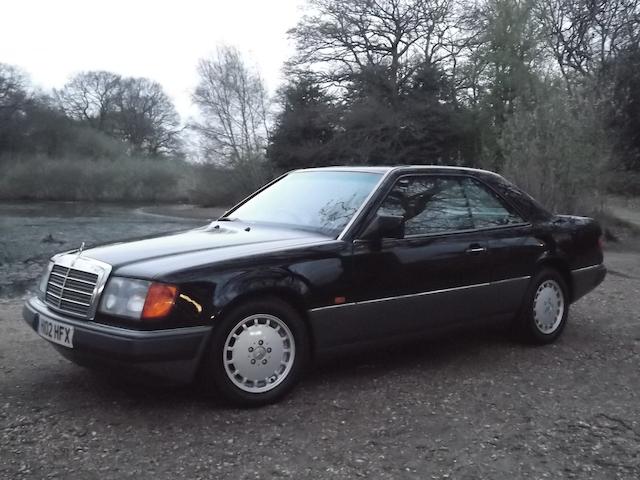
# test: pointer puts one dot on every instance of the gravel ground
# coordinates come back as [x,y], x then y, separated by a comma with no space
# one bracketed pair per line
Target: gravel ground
[466,407]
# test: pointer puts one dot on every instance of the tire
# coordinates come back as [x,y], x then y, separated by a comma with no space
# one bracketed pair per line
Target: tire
[257,353]
[545,309]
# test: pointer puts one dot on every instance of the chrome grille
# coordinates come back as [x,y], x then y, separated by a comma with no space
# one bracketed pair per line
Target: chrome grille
[71,290]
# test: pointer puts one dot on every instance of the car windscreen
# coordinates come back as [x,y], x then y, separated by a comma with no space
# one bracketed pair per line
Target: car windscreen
[322,201]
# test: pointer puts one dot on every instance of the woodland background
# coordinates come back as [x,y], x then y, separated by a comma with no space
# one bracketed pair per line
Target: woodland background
[546,92]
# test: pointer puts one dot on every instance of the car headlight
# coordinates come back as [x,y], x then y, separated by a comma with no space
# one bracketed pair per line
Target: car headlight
[44,279]
[137,299]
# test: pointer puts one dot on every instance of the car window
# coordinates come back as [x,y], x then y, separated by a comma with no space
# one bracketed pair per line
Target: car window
[486,209]
[322,201]
[429,205]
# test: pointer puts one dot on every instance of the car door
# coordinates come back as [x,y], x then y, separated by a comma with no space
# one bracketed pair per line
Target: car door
[512,241]
[434,277]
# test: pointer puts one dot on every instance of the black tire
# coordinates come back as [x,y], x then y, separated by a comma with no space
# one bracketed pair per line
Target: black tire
[529,327]
[215,375]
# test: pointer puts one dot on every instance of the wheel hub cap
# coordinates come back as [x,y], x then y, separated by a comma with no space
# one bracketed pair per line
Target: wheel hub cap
[259,353]
[548,307]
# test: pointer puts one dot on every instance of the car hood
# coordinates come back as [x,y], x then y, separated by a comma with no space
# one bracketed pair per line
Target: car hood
[156,256]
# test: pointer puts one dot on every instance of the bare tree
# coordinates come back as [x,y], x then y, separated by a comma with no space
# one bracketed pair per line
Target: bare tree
[14,100]
[13,90]
[135,110]
[342,38]
[233,127]
[584,35]
[233,103]
[146,117]
[92,97]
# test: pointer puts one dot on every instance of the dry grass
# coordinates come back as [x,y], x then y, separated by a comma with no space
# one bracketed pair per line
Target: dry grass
[120,180]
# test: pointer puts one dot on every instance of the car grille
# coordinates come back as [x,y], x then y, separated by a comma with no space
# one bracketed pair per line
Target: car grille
[70,290]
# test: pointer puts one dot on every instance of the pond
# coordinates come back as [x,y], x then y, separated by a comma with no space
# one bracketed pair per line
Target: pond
[31,232]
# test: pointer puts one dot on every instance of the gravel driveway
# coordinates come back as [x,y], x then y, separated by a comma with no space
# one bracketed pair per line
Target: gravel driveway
[476,406]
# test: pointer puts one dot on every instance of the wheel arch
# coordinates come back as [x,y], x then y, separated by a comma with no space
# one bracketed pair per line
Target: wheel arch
[289,296]
[562,267]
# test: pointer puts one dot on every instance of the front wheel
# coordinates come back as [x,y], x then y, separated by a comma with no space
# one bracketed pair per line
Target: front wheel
[545,309]
[258,352]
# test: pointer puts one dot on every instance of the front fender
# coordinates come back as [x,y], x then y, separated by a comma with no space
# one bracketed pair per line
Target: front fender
[268,280]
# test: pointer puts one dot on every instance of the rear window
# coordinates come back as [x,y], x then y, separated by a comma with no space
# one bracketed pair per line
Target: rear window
[529,207]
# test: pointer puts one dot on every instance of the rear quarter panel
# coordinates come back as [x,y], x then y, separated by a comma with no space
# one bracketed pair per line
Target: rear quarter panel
[576,240]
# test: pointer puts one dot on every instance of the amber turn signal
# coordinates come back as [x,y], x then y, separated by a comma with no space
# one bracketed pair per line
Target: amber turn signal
[159,301]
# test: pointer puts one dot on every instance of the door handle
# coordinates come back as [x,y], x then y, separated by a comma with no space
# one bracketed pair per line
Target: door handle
[475,249]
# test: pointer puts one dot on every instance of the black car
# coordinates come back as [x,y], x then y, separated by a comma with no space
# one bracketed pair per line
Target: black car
[318,261]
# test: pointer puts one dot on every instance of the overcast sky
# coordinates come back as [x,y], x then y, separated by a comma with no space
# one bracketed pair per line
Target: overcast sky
[161,40]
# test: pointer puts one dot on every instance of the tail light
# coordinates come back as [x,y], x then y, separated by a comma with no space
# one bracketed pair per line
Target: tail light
[601,242]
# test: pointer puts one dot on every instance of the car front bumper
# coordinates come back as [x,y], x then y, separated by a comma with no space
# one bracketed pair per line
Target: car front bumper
[170,354]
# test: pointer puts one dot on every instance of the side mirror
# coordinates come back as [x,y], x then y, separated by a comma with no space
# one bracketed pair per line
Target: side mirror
[384,226]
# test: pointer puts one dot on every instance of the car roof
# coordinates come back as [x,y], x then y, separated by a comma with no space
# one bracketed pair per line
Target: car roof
[401,169]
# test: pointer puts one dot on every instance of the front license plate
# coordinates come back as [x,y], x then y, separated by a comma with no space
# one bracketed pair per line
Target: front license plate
[56,332]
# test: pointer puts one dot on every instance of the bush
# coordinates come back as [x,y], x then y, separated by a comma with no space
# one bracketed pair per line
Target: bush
[559,151]
[86,142]
[215,185]
[129,180]
[625,183]
[125,179]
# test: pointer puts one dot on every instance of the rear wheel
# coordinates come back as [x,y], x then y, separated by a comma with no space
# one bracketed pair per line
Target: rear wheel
[258,352]
[544,313]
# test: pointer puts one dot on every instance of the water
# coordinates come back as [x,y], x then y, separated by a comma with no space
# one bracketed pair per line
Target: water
[31,232]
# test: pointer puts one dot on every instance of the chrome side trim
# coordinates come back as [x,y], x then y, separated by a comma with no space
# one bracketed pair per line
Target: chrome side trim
[364,204]
[515,279]
[590,267]
[411,295]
